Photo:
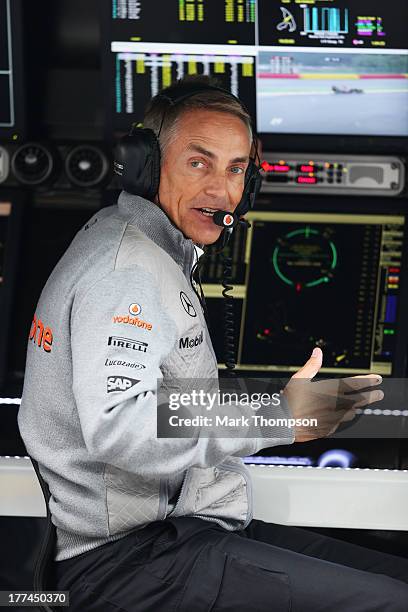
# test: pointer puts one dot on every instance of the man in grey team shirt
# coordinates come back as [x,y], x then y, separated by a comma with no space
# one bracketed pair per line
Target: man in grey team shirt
[146,523]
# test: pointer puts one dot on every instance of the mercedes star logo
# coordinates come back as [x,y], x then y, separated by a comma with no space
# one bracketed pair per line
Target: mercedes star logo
[187,305]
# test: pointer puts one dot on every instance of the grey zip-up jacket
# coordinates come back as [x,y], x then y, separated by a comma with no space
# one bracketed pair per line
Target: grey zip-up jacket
[113,319]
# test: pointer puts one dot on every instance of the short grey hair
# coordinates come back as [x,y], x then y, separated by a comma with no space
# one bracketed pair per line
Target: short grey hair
[163,118]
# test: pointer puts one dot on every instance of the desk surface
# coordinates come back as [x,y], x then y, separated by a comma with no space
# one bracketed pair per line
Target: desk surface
[303,496]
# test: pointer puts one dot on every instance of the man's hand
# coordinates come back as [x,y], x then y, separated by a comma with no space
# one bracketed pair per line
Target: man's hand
[330,402]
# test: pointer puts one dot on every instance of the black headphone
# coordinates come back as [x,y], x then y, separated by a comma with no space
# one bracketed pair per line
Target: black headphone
[137,155]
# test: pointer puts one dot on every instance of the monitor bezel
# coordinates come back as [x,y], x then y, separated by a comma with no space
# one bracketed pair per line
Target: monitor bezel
[352,145]
[18,131]
[107,71]
[11,263]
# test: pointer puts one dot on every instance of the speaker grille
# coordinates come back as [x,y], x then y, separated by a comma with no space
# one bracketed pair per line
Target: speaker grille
[86,166]
[32,164]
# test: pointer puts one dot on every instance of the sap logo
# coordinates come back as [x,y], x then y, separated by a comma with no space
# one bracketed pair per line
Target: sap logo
[45,336]
[191,342]
[120,383]
[127,343]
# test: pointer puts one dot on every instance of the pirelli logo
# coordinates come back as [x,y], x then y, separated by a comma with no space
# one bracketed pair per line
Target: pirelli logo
[127,343]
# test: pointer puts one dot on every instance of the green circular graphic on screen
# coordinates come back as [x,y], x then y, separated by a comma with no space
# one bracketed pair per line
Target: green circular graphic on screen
[305,258]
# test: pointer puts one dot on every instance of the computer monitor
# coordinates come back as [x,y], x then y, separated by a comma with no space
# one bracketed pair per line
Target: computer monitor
[142,74]
[11,71]
[185,21]
[355,24]
[332,68]
[305,279]
[332,92]
[147,46]
[317,68]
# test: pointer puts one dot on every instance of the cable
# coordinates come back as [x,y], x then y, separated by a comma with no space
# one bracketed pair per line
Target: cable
[229,315]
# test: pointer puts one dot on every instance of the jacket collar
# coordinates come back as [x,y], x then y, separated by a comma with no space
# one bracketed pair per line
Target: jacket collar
[156,225]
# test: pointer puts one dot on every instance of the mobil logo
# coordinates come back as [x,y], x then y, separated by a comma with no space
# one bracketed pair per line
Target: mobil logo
[189,343]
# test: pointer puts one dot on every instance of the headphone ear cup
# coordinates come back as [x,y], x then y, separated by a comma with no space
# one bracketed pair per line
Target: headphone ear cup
[137,163]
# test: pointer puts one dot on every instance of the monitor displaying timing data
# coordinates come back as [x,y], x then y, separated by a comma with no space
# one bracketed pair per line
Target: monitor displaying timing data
[298,284]
[333,67]
[141,75]
[11,99]
[154,44]
[355,24]
[208,22]
[322,67]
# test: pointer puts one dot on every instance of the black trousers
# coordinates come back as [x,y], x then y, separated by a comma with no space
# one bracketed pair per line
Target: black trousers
[191,565]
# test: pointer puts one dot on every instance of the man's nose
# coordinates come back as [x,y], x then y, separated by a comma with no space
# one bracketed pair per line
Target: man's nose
[217,186]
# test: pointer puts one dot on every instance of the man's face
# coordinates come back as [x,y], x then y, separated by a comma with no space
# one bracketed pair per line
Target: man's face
[204,167]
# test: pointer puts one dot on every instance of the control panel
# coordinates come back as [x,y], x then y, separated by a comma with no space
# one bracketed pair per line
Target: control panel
[349,174]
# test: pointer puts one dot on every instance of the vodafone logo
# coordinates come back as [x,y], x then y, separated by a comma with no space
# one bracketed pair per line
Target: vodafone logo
[135,309]
[132,321]
[228,220]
